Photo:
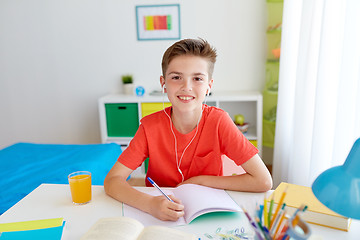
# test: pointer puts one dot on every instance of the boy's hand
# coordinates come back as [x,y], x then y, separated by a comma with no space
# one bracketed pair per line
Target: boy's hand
[163,209]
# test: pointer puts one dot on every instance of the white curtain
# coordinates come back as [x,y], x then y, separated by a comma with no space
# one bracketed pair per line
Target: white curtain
[318,113]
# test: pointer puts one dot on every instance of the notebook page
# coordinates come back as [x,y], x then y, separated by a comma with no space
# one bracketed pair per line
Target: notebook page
[199,200]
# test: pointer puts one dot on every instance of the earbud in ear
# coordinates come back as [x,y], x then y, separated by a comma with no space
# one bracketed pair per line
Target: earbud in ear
[208,90]
[163,88]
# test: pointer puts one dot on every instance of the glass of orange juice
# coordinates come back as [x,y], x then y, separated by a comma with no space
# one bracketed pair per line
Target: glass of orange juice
[80,187]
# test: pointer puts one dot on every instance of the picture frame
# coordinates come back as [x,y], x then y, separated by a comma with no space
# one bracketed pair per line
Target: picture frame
[158,22]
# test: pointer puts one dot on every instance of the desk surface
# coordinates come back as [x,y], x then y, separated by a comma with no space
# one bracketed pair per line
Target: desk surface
[54,200]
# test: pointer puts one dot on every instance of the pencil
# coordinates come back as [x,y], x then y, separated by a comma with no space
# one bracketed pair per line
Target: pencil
[297,217]
[270,210]
[262,229]
[155,185]
[261,212]
[257,210]
[282,234]
[265,213]
[302,206]
[258,231]
[267,233]
[279,225]
[277,219]
[278,206]
[257,220]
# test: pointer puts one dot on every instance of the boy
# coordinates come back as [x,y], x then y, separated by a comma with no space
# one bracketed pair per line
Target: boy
[185,142]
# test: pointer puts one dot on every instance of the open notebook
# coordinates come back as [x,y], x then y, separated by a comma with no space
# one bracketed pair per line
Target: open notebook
[198,200]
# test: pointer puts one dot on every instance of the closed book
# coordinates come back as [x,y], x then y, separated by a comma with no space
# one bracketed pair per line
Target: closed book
[316,213]
[125,228]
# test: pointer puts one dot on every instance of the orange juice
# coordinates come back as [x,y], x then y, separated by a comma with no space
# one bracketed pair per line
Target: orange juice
[80,186]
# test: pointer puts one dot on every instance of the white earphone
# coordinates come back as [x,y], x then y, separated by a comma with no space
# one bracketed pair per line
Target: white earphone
[178,161]
[208,91]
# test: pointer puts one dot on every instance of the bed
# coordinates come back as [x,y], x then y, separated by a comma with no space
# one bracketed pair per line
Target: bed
[24,166]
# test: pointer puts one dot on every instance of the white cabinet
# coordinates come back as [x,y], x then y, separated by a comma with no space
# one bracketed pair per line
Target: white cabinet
[120,114]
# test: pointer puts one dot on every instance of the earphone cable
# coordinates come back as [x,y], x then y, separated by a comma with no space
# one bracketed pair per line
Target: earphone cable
[178,162]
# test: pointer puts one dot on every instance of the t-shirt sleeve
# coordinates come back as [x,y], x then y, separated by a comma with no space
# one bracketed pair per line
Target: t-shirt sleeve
[233,143]
[137,151]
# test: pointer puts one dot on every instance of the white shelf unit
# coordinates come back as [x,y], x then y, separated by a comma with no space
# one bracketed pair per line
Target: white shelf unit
[247,103]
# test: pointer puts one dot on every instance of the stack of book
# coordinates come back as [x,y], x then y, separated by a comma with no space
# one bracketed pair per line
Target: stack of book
[316,213]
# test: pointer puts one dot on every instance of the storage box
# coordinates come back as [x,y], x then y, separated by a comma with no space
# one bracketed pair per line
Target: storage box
[149,108]
[122,119]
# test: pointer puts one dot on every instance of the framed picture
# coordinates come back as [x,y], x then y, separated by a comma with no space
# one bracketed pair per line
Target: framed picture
[158,22]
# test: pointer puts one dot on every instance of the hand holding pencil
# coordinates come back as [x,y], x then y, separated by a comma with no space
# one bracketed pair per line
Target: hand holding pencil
[169,209]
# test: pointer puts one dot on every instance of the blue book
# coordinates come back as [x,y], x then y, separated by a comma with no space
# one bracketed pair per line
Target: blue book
[33,231]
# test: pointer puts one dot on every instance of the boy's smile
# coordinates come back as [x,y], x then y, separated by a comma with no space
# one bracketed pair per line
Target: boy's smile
[186,98]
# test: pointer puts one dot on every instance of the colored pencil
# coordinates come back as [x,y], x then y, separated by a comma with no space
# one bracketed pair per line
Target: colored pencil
[278,206]
[277,219]
[276,233]
[265,213]
[296,216]
[258,231]
[270,211]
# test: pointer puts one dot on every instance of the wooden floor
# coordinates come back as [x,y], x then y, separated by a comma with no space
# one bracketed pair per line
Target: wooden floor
[269,168]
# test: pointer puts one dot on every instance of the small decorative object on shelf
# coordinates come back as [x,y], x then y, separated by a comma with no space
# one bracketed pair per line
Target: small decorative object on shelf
[243,128]
[140,91]
[128,85]
[276,53]
[239,120]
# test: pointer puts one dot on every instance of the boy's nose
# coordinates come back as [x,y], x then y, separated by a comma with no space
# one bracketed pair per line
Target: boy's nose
[187,85]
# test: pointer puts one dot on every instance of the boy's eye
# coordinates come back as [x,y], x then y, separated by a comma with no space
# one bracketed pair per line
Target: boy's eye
[198,79]
[175,77]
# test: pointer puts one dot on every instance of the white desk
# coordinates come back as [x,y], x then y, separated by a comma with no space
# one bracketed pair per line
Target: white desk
[54,200]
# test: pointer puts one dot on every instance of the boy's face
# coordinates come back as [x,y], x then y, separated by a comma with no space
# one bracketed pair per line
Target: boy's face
[187,81]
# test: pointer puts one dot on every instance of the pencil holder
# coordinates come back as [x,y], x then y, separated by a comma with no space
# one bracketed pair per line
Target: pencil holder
[301,230]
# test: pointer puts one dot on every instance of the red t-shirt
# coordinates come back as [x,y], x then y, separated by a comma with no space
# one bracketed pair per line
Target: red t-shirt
[217,135]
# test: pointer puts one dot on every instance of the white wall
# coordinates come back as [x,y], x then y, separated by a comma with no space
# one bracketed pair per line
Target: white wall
[57,57]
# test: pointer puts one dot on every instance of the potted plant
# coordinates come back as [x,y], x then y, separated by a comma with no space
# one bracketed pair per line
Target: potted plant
[128,85]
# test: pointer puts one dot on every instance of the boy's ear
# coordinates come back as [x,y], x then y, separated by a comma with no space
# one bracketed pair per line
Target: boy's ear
[162,80]
[211,83]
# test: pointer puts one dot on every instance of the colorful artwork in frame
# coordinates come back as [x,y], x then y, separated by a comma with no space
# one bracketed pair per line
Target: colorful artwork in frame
[158,22]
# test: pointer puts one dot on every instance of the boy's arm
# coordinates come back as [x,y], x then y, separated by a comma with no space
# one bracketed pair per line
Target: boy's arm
[256,179]
[117,187]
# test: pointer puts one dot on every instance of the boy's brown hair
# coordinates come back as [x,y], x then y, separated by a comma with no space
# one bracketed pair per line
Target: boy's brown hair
[194,47]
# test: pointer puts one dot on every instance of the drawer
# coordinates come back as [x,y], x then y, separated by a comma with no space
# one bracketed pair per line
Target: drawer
[122,119]
[149,108]
[254,142]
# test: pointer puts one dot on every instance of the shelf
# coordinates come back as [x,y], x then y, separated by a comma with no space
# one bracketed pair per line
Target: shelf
[248,103]
[270,93]
[251,133]
[275,10]
[274,31]
[273,44]
[268,133]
